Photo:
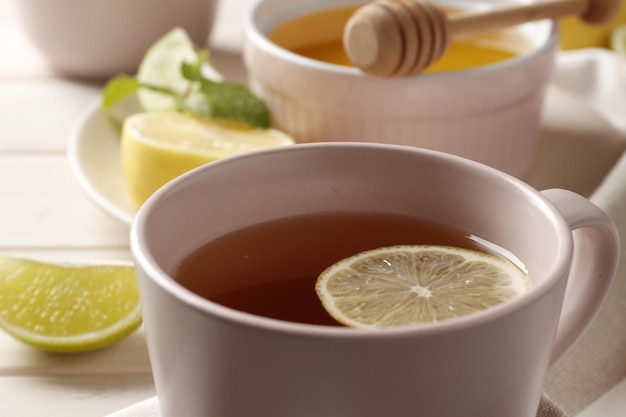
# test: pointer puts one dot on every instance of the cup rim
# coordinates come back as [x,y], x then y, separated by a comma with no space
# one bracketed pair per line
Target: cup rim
[144,258]
[257,37]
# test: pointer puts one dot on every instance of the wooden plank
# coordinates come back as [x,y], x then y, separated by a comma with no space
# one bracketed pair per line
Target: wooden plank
[77,255]
[38,115]
[128,356]
[72,396]
[46,209]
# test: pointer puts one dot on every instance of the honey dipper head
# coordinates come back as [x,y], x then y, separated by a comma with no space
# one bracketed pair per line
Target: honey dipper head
[393,38]
[601,11]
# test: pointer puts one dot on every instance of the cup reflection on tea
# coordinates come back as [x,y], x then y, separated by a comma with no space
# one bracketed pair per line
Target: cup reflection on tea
[295,210]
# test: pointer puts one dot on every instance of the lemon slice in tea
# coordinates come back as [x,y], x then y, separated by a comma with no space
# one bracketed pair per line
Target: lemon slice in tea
[405,285]
[67,308]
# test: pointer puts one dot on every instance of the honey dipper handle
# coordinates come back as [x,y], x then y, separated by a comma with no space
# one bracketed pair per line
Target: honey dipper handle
[590,11]
[393,38]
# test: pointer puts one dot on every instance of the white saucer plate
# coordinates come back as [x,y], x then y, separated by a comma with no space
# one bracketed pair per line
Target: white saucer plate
[572,136]
[93,152]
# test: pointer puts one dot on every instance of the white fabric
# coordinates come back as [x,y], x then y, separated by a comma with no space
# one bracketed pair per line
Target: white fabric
[598,77]
[596,362]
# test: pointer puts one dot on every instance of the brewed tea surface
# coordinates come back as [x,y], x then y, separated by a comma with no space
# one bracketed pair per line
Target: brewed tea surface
[270,269]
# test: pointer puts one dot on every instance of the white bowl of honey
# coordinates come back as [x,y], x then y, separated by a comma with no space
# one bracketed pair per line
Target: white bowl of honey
[482,100]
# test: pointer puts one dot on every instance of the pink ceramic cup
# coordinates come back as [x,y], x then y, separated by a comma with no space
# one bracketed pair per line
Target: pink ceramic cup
[209,360]
[98,39]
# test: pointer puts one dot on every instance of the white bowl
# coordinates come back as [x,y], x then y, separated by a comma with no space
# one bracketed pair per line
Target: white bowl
[97,39]
[490,114]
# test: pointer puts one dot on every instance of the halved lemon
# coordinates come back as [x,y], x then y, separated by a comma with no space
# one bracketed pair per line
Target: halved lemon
[67,308]
[407,285]
[158,146]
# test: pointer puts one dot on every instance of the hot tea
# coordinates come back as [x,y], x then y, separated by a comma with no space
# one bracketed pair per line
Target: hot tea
[270,269]
[235,364]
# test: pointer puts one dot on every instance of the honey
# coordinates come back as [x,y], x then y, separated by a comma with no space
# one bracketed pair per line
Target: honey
[319,36]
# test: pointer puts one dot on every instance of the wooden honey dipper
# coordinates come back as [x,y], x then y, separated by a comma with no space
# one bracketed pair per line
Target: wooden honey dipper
[394,38]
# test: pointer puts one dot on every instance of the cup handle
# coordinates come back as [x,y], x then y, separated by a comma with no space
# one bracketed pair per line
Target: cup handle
[594,264]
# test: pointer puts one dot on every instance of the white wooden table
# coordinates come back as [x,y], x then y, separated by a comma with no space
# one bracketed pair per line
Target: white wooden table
[45,215]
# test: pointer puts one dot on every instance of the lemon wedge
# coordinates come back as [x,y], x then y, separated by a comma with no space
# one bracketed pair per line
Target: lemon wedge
[161,66]
[158,146]
[407,285]
[67,308]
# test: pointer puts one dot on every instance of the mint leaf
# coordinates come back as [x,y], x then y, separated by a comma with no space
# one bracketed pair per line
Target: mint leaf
[191,72]
[203,97]
[222,100]
[203,56]
[229,101]
[123,86]
[117,89]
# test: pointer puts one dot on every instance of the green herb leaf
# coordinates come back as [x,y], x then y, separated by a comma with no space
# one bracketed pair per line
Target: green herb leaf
[117,89]
[191,72]
[230,101]
[203,97]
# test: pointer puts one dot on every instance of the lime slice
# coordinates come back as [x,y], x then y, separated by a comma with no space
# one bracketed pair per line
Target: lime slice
[158,146]
[161,66]
[618,40]
[407,285]
[67,308]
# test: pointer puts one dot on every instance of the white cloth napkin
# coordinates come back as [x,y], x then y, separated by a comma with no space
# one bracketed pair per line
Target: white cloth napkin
[597,361]
[598,77]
